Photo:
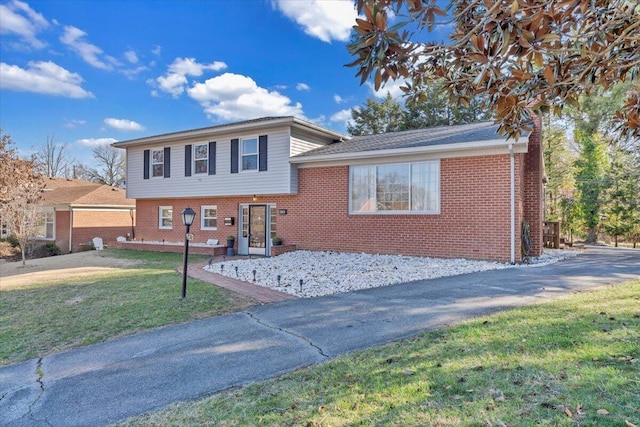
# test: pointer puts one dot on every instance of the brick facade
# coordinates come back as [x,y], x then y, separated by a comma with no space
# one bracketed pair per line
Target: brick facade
[474,218]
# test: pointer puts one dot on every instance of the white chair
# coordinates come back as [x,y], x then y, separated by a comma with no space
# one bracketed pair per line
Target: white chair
[98,244]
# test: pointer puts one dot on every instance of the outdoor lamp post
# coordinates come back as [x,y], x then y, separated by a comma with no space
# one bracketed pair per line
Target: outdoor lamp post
[187,219]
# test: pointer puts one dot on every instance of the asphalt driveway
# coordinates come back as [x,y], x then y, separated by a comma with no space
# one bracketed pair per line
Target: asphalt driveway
[112,381]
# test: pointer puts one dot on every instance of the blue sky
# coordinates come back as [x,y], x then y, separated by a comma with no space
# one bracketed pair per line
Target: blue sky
[90,72]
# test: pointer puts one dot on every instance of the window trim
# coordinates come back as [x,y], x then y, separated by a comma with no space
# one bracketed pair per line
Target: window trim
[202,217]
[195,159]
[242,154]
[161,217]
[397,212]
[152,163]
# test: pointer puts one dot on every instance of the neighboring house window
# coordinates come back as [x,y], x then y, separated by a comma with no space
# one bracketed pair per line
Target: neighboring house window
[4,231]
[46,225]
[165,217]
[209,218]
[395,188]
[249,154]
[157,163]
[201,158]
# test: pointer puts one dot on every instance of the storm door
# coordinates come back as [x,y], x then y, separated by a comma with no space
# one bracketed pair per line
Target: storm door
[258,229]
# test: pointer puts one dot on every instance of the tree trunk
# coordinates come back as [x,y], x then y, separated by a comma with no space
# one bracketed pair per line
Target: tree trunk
[592,237]
[615,239]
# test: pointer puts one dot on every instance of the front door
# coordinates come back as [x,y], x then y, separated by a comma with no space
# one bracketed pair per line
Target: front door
[258,229]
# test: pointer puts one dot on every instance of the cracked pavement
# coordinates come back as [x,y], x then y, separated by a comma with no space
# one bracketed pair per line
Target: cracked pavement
[112,381]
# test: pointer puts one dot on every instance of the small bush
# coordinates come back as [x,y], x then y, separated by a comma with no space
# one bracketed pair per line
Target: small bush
[47,250]
[12,240]
[7,250]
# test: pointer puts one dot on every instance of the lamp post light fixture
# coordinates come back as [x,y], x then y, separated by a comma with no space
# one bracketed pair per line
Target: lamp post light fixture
[187,219]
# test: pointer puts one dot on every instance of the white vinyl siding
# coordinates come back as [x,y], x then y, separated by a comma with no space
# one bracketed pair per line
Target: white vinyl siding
[208,217]
[395,188]
[276,180]
[201,158]
[165,217]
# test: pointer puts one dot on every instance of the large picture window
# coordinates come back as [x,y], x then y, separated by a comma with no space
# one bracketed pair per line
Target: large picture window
[395,188]
[157,163]
[209,218]
[250,154]
[201,158]
[165,217]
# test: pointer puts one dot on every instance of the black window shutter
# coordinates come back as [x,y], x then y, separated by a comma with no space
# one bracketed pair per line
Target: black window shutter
[234,155]
[167,162]
[187,160]
[146,164]
[262,151]
[212,158]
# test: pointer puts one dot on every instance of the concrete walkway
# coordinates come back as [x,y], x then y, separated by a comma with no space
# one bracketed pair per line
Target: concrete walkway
[109,382]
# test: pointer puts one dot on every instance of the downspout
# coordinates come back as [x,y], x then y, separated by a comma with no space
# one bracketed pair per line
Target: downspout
[70,229]
[513,203]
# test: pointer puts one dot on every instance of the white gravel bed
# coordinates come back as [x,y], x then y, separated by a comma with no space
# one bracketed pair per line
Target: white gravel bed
[326,273]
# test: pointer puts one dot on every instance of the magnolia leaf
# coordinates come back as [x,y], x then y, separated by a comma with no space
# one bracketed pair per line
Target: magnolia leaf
[515,7]
[365,25]
[549,75]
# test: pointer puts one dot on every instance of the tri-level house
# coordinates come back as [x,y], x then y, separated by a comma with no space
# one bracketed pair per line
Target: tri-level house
[455,191]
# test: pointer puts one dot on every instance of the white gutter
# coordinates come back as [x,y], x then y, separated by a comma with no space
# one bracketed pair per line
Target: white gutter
[513,204]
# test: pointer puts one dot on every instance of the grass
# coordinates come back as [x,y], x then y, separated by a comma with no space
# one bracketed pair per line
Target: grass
[39,318]
[573,361]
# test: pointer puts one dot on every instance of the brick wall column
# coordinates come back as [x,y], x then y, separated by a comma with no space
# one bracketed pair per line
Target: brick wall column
[534,188]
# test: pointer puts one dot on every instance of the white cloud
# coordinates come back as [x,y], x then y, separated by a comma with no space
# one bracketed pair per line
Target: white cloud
[131,56]
[303,86]
[236,97]
[341,116]
[157,50]
[131,72]
[123,124]
[95,142]
[18,18]
[175,79]
[326,20]
[393,87]
[74,123]
[43,77]
[90,53]
[338,99]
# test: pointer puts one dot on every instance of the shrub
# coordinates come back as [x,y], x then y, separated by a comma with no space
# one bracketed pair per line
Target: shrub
[46,250]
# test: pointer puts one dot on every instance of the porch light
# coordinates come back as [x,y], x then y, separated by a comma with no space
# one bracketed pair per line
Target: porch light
[187,218]
[255,198]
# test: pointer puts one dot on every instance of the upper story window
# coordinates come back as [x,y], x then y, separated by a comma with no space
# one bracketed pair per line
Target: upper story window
[249,154]
[209,218]
[201,158]
[395,188]
[165,217]
[157,162]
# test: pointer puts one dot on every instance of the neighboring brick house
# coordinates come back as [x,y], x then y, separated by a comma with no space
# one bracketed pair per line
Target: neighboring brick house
[455,191]
[75,211]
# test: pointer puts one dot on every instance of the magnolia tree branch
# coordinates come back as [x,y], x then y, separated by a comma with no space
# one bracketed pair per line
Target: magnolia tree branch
[523,57]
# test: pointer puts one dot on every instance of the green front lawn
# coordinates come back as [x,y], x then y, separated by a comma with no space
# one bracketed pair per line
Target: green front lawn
[65,312]
[573,361]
